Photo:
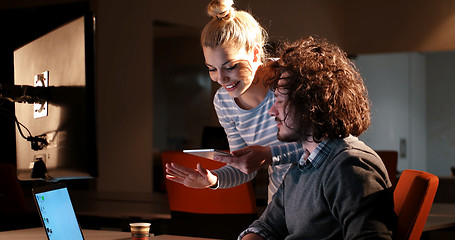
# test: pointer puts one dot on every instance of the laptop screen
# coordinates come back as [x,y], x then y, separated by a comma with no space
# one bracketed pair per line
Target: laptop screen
[57,213]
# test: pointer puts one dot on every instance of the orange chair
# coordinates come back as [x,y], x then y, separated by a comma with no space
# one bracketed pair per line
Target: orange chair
[221,213]
[12,200]
[413,197]
[14,209]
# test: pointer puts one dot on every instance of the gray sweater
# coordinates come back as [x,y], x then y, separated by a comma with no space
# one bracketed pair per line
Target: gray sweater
[343,195]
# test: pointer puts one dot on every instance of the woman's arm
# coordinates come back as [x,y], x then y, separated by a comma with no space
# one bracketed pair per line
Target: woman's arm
[252,236]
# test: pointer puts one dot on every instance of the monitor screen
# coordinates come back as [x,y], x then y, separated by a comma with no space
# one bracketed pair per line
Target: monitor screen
[61,62]
[57,212]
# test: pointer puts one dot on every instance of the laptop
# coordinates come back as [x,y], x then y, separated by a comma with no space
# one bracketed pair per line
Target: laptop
[56,212]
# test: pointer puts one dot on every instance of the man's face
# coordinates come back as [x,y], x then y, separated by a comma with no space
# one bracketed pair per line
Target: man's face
[283,114]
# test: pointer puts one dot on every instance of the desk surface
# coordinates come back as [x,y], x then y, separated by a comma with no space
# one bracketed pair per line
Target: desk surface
[105,204]
[442,215]
[443,209]
[38,234]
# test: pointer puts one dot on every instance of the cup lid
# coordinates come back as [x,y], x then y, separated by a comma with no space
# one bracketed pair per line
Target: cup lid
[140,224]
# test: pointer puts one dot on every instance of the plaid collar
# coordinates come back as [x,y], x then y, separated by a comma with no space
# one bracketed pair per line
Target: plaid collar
[318,156]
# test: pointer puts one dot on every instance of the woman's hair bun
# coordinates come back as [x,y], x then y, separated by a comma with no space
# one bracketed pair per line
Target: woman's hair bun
[221,9]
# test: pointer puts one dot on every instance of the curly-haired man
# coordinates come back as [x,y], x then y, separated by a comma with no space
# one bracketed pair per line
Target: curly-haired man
[340,188]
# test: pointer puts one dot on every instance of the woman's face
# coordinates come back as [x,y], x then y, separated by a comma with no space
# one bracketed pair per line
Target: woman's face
[233,69]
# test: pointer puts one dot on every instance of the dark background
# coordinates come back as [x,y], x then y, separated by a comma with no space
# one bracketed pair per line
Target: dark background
[18,27]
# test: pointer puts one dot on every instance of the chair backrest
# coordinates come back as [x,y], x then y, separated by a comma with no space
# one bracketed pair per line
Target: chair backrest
[390,160]
[413,197]
[237,200]
[12,200]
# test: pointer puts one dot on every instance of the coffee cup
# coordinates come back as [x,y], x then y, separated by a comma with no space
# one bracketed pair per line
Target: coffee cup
[140,231]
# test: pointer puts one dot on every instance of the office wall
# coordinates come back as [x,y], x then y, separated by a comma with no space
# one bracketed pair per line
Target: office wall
[358,26]
[396,87]
[440,91]
[124,74]
[182,97]
[412,101]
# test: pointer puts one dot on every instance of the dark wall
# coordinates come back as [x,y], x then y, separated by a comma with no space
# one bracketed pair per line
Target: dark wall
[20,26]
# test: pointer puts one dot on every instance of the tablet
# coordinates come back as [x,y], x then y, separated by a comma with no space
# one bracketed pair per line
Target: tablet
[207,153]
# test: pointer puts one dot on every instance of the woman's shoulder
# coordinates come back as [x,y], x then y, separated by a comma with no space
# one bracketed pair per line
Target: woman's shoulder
[221,94]
[222,98]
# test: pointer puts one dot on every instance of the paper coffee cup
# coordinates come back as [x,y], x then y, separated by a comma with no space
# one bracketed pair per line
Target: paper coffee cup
[140,231]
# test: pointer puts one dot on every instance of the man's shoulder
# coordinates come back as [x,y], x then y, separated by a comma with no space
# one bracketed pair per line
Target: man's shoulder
[351,145]
[351,149]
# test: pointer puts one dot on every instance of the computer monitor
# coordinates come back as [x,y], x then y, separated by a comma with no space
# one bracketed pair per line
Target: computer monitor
[63,124]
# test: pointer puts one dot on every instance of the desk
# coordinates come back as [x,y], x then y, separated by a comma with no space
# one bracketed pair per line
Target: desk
[443,209]
[114,211]
[38,234]
[442,215]
[115,205]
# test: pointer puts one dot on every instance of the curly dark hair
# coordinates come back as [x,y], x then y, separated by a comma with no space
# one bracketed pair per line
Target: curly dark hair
[324,90]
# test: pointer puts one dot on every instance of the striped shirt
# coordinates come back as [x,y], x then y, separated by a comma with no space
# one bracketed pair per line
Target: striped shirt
[253,127]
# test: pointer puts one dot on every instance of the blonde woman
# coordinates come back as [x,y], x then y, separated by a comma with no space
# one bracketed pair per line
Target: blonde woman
[233,45]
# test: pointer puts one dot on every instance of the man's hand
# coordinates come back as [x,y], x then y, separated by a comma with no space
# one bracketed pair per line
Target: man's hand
[193,178]
[248,159]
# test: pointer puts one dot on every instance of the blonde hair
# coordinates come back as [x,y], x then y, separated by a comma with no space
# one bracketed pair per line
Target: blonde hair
[228,25]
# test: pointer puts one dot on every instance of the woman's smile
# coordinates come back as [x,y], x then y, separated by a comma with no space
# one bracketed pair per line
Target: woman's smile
[232,87]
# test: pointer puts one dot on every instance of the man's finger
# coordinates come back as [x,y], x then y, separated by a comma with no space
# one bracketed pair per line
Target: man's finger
[233,161]
[240,152]
[225,159]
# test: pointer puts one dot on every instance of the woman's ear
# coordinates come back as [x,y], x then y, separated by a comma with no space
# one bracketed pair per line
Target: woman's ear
[256,53]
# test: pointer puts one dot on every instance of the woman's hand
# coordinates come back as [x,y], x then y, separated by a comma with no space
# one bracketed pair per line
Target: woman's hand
[193,178]
[248,159]
[252,236]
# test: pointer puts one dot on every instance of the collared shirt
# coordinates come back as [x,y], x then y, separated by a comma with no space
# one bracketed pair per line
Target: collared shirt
[317,157]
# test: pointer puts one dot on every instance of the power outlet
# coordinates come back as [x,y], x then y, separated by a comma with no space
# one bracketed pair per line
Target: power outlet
[40,109]
[403,148]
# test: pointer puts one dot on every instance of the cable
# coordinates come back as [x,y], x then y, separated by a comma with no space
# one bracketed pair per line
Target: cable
[19,128]
[37,142]
[19,124]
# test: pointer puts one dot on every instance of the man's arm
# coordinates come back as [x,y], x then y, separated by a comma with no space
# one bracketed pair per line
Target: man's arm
[272,223]
[252,158]
[364,204]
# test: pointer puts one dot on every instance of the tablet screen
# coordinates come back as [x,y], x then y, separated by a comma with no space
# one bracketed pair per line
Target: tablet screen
[207,153]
